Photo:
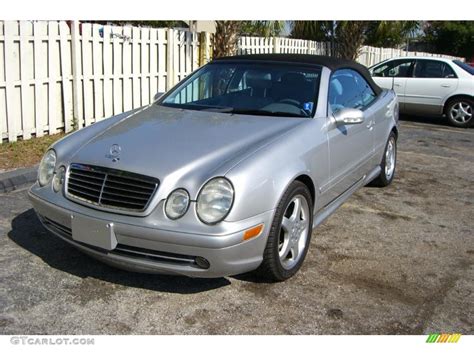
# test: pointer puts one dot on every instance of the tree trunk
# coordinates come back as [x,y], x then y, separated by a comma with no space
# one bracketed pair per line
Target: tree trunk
[350,36]
[225,38]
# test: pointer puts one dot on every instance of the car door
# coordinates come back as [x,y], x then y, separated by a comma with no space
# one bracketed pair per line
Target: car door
[394,74]
[432,82]
[351,147]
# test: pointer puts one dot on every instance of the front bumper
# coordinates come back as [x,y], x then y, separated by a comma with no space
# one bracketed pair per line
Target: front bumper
[162,251]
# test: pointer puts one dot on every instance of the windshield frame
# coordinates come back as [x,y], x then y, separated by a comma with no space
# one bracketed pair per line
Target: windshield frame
[258,63]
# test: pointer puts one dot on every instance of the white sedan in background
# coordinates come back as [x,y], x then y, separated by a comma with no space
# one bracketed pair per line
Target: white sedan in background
[430,86]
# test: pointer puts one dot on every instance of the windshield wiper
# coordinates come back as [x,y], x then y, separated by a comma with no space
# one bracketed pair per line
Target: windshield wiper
[266,113]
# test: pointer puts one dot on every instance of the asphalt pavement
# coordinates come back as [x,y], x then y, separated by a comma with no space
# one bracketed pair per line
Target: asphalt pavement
[398,260]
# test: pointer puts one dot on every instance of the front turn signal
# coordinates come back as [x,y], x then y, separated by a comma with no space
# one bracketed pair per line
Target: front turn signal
[253,232]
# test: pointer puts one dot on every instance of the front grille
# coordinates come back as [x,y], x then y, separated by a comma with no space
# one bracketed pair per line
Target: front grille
[110,188]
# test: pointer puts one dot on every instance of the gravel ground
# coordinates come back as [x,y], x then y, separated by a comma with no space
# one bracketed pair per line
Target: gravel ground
[390,261]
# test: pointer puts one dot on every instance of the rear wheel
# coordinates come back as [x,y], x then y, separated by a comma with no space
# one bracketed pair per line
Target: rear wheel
[459,112]
[388,164]
[289,236]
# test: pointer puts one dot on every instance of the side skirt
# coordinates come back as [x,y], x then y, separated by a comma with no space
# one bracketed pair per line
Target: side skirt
[323,214]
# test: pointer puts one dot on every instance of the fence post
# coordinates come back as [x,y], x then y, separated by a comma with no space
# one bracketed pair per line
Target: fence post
[169,59]
[76,73]
[66,70]
[10,62]
[276,45]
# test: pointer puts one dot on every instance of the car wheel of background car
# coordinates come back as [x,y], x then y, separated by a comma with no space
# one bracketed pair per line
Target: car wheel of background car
[389,163]
[290,234]
[459,112]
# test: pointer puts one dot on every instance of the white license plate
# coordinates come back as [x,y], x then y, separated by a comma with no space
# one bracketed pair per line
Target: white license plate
[93,232]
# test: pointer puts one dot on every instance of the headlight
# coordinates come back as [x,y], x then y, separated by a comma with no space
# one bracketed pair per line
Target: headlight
[46,168]
[58,179]
[215,200]
[177,204]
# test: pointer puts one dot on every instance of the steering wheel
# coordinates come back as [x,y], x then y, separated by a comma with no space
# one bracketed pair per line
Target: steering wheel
[290,102]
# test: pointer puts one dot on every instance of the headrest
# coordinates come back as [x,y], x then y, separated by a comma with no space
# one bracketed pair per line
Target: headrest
[258,79]
[293,79]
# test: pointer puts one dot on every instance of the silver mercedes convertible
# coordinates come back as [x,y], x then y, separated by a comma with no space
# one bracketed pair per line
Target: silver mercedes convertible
[226,173]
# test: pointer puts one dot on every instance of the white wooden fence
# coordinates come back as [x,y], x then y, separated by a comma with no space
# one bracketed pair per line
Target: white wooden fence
[368,56]
[373,55]
[58,76]
[258,45]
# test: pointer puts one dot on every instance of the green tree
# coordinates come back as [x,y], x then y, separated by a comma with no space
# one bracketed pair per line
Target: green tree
[346,36]
[153,24]
[261,28]
[390,33]
[451,37]
[349,36]
[312,30]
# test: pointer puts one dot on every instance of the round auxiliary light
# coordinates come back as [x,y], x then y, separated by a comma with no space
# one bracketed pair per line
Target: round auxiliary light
[177,204]
[58,179]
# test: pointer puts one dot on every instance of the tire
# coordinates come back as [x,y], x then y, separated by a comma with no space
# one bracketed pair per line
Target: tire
[289,236]
[387,171]
[460,112]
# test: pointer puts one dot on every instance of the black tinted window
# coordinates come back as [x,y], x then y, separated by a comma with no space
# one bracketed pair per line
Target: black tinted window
[433,69]
[394,68]
[348,89]
[464,66]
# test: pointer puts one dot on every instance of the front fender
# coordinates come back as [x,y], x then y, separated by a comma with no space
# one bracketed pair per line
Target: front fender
[261,179]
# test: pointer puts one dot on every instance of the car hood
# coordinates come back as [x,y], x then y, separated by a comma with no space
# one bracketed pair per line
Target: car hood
[182,148]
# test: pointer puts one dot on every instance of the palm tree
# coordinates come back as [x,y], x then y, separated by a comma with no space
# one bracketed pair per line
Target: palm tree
[262,28]
[225,38]
[312,30]
[348,36]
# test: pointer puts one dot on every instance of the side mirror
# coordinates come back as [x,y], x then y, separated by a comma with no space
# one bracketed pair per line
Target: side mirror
[158,95]
[349,116]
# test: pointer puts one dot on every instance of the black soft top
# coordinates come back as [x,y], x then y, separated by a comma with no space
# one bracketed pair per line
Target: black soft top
[330,62]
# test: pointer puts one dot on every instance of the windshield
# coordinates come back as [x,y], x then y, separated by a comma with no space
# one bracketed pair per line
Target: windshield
[465,66]
[249,88]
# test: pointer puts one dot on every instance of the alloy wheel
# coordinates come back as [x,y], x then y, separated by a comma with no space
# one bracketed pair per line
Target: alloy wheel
[461,112]
[390,158]
[293,232]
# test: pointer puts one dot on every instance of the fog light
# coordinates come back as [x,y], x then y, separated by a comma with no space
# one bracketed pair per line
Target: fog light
[202,263]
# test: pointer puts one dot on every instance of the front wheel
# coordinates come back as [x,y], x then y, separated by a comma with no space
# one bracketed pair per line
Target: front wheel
[289,235]
[388,164]
[459,112]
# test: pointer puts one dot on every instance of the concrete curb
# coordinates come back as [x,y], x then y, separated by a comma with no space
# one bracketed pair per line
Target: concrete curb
[15,179]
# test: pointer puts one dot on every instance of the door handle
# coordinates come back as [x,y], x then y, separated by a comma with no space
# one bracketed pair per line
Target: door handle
[397,85]
[445,85]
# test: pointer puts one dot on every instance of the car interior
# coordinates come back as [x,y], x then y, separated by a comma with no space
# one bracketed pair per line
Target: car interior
[278,90]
